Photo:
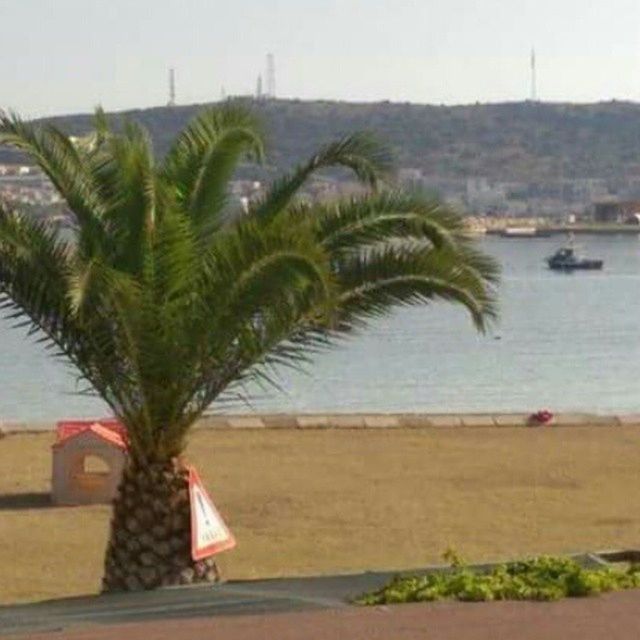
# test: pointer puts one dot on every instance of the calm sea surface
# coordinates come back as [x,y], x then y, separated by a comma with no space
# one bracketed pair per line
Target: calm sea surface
[565,341]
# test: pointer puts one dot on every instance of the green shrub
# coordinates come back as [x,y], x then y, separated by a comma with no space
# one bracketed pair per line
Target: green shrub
[544,578]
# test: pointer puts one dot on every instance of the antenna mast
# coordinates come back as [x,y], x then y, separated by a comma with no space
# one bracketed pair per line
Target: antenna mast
[172,88]
[534,88]
[271,76]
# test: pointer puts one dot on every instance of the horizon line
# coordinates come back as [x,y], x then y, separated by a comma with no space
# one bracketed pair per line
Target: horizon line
[252,98]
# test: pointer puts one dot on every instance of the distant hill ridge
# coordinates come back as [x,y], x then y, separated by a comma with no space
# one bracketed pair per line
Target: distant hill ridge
[513,142]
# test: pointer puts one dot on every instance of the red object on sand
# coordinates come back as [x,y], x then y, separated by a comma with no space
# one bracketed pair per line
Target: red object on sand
[543,416]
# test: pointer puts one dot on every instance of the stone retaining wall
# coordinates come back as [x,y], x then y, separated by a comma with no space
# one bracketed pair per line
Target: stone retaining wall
[370,421]
[405,420]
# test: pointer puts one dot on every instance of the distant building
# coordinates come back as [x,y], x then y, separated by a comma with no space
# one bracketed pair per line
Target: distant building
[410,175]
[589,189]
[612,211]
[483,196]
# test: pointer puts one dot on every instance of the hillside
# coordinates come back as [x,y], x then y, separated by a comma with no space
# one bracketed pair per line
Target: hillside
[528,142]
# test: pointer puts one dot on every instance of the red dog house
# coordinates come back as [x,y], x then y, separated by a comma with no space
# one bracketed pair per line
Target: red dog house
[88,460]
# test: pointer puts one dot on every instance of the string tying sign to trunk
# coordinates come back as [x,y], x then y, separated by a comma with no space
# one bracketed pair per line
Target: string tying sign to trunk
[209,533]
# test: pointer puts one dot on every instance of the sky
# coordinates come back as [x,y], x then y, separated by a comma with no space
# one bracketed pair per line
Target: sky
[66,56]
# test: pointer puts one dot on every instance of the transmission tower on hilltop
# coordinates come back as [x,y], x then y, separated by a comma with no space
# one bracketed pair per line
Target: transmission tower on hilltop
[271,76]
[534,87]
[172,88]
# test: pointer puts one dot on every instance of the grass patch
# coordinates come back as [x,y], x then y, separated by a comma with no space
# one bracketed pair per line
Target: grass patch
[545,578]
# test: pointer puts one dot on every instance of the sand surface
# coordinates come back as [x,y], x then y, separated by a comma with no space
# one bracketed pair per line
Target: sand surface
[308,502]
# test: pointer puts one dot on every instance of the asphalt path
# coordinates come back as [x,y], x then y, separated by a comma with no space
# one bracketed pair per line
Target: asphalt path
[225,599]
[614,616]
[317,607]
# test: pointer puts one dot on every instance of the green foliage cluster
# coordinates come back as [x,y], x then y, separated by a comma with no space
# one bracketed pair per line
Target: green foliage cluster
[543,578]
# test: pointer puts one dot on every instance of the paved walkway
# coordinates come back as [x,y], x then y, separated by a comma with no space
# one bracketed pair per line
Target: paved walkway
[610,617]
[230,598]
[246,598]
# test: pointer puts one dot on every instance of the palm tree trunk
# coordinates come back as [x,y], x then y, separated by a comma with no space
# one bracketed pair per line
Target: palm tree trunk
[150,541]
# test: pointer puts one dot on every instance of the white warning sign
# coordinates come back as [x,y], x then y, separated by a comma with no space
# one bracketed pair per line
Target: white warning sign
[209,533]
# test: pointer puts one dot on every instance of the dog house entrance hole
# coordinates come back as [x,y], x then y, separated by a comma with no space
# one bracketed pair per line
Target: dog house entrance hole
[95,465]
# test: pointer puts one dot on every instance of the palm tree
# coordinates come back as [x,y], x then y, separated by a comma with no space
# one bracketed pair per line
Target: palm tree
[167,295]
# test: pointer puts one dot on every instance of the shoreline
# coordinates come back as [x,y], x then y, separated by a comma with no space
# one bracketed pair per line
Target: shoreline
[367,421]
[563,229]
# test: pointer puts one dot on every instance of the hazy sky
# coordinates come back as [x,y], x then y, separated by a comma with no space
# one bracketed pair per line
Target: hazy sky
[62,56]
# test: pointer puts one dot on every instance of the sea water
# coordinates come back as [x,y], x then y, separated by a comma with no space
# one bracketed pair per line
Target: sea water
[569,342]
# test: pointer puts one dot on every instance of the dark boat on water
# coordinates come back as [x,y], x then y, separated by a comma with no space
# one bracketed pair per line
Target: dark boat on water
[565,259]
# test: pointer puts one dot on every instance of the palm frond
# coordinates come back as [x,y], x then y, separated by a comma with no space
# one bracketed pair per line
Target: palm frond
[62,163]
[259,284]
[347,226]
[101,126]
[124,167]
[359,152]
[34,282]
[205,156]
[373,282]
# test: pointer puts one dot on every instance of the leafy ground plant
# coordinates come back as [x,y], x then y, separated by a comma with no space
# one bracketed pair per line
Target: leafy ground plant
[543,578]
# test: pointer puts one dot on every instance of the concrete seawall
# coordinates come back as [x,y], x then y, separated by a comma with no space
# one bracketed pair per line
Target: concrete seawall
[582,229]
[371,421]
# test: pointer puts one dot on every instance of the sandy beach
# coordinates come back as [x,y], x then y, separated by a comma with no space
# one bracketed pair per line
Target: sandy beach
[313,501]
